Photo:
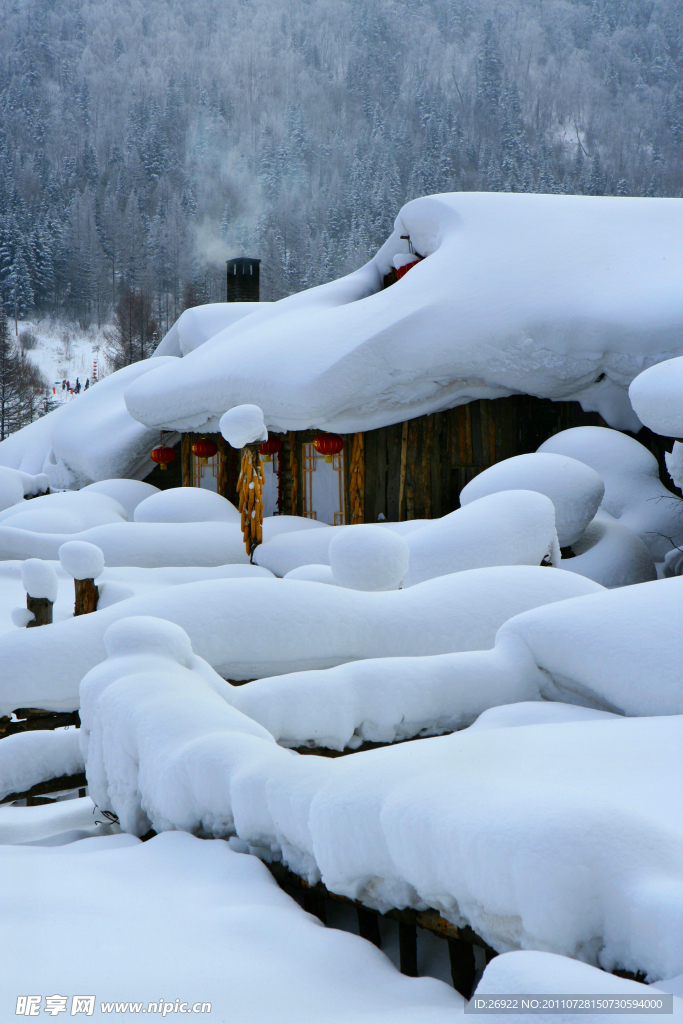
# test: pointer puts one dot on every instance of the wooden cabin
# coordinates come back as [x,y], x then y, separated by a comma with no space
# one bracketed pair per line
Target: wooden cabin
[410,470]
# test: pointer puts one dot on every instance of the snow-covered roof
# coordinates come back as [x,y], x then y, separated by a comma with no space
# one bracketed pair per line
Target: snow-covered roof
[562,297]
[93,437]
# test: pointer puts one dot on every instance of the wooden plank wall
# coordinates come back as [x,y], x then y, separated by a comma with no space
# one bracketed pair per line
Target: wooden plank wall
[445,451]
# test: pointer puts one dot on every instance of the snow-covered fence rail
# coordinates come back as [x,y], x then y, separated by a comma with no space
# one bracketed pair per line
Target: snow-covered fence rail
[533,837]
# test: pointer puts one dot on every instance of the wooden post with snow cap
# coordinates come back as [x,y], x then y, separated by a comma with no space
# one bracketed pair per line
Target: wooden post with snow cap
[40,583]
[243,427]
[85,563]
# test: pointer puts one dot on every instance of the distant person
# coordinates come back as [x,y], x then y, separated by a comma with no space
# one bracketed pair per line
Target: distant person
[63,385]
[87,383]
[77,389]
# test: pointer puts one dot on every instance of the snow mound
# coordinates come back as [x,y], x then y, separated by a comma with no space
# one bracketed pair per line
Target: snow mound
[200,323]
[634,493]
[365,558]
[538,973]
[510,528]
[39,579]
[502,310]
[674,463]
[252,954]
[657,395]
[578,855]
[66,512]
[81,560]
[146,545]
[313,573]
[286,551]
[13,487]
[309,626]
[243,425]
[128,493]
[28,758]
[506,528]
[611,554]
[186,505]
[574,488]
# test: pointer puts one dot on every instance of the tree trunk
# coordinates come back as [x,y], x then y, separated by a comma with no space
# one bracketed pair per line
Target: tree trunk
[87,595]
[41,608]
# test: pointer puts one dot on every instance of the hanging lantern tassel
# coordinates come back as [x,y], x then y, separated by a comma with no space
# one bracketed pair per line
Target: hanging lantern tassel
[250,491]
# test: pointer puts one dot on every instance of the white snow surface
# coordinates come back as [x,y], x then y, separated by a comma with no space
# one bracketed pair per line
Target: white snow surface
[634,493]
[538,973]
[500,308]
[616,651]
[505,829]
[39,579]
[128,493]
[27,758]
[102,922]
[657,396]
[147,545]
[611,554]
[15,486]
[508,528]
[186,505]
[81,560]
[243,425]
[199,323]
[365,558]
[504,528]
[313,573]
[574,488]
[64,512]
[674,463]
[309,625]
[91,438]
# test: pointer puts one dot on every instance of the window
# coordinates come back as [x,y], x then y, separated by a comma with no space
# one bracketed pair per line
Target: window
[323,491]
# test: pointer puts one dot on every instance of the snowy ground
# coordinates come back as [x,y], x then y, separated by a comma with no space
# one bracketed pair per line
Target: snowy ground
[65,351]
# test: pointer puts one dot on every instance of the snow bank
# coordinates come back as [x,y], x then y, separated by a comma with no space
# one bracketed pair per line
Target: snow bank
[186,505]
[313,573]
[147,545]
[243,425]
[618,650]
[66,512]
[614,651]
[506,528]
[234,940]
[308,626]
[90,438]
[578,855]
[15,486]
[499,306]
[28,758]
[634,493]
[58,824]
[39,579]
[510,528]
[574,488]
[611,554]
[364,558]
[200,323]
[656,395]
[538,973]
[81,560]
[128,493]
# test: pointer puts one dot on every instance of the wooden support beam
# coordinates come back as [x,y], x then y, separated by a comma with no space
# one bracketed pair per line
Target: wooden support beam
[42,610]
[461,955]
[368,925]
[87,595]
[407,949]
[58,785]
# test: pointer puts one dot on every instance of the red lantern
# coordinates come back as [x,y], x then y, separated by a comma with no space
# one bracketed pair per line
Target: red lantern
[402,271]
[270,447]
[162,456]
[204,450]
[328,445]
